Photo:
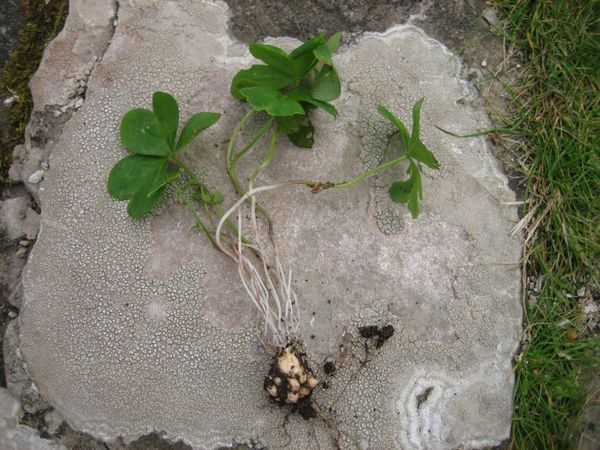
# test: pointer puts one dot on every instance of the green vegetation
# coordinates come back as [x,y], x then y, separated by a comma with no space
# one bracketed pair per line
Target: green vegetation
[281,93]
[556,115]
[286,88]
[41,23]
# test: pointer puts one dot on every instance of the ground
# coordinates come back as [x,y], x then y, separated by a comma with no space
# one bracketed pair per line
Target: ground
[471,39]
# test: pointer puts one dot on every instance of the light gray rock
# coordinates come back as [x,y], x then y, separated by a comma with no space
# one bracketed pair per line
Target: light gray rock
[10,409]
[53,421]
[14,436]
[36,177]
[18,381]
[129,327]
[13,214]
[71,56]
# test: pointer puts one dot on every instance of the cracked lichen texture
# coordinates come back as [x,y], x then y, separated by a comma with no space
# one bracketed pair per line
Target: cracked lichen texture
[133,326]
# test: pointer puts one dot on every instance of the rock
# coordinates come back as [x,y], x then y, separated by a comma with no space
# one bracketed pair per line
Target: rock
[14,436]
[490,16]
[53,421]
[11,267]
[31,226]
[13,214]
[10,409]
[36,177]
[14,367]
[32,400]
[158,346]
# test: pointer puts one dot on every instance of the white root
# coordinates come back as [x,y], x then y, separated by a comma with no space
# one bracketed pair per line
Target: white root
[266,282]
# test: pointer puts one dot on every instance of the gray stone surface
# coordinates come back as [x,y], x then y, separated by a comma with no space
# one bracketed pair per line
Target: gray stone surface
[132,327]
[15,436]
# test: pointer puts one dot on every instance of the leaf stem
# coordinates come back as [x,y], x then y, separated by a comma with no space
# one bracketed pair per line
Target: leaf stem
[321,186]
[199,222]
[370,172]
[196,181]
[232,142]
[268,160]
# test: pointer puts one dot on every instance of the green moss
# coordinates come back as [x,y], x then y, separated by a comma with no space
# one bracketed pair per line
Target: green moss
[41,23]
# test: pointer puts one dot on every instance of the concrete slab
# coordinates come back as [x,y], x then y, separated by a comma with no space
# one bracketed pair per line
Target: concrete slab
[133,327]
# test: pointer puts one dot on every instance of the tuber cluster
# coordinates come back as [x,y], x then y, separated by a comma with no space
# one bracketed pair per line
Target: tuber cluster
[290,379]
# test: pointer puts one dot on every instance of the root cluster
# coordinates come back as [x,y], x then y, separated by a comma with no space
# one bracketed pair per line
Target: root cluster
[290,379]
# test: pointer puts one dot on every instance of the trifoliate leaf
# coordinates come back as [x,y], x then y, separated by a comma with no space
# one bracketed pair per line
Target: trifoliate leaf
[397,123]
[308,46]
[327,85]
[302,94]
[197,123]
[304,137]
[274,57]
[289,124]
[132,173]
[323,54]
[263,98]
[259,75]
[142,133]
[167,113]
[418,151]
[169,177]
[334,42]
[408,191]
[142,203]
[416,118]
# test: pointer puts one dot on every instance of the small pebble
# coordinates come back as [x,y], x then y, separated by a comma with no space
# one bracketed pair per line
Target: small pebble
[36,177]
[484,63]
[24,243]
[10,100]
[12,314]
[490,16]
[22,252]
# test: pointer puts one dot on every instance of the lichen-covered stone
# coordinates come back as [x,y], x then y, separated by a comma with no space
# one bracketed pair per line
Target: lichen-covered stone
[134,326]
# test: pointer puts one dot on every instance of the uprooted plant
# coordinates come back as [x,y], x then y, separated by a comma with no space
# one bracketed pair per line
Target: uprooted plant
[286,88]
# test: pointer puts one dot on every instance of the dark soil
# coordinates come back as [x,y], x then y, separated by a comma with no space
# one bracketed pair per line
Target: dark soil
[40,23]
[458,24]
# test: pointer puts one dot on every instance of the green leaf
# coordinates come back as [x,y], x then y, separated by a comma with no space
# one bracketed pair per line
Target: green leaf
[132,173]
[302,94]
[142,203]
[416,118]
[197,123]
[167,113]
[308,46]
[397,123]
[304,137]
[334,42]
[141,133]
[164,181]
[289,124]
[259,75]
[418,151]
[274,57]
[327,85]
[323,54]
[408,191]
[400,191]
[208,198]
[263,98]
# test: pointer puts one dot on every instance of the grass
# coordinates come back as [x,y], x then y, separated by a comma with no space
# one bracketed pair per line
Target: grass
[41,23]
[556,118]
